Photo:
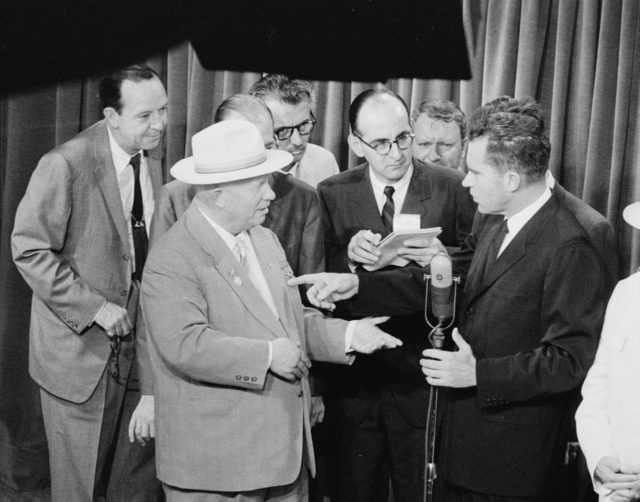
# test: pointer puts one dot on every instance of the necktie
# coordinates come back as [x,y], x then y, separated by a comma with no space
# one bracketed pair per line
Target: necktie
[241,253]
[139,232]
[496,244]
[388,209]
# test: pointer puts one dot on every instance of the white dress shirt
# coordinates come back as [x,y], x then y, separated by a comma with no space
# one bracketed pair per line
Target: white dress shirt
[126,181]
[519,220]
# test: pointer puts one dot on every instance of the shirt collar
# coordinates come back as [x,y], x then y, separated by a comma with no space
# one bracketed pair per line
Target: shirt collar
[518,220]
[228,238]
[121,159]
[378,186]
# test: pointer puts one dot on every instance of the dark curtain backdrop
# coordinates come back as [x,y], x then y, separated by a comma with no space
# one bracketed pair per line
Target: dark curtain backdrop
[580,59]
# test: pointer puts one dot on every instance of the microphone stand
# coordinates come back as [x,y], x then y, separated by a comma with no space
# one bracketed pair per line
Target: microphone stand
[436,339]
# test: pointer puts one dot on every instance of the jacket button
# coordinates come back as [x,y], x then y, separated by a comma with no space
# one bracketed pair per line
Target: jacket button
[254,379]
[125,257]
[299,393]
[238,377]
[124,292]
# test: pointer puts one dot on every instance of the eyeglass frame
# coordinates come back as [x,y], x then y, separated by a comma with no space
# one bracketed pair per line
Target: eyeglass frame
[297,127]
[410,135]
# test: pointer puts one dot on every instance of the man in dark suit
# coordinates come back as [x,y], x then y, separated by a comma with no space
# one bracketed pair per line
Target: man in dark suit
[294,216]
[79,241]
[380,411]
[530,317]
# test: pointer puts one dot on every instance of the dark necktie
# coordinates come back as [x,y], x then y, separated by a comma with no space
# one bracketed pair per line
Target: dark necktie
[496,244]
[388,209]
[140,239]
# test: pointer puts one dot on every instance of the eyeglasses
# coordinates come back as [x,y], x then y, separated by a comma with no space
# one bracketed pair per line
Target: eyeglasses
[303,128]
[384,147]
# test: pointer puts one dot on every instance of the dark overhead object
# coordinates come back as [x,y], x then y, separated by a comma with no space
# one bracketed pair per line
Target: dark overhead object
[44,41]
[351,40]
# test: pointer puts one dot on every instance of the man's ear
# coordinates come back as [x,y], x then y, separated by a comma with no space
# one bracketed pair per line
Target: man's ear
[355,145]
[513,180]
[112,116]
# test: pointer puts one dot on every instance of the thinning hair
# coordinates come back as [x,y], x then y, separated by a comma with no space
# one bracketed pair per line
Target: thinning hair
[250,107]
[110,85]
[364,97]
[444,111]
[515,142]
[282,88]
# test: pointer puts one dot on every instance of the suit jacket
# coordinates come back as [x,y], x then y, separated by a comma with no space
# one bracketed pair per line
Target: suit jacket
[599,230]
[70,243]
[349,205]
[401,291]
[224,422]
[608,417]
[316,164]
[533,324]
[294,216]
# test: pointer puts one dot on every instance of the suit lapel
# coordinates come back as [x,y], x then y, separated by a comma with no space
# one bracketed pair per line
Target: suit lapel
[364,205]
[105,173]
[514,252]
[155,172]
[230,270]
[418,193]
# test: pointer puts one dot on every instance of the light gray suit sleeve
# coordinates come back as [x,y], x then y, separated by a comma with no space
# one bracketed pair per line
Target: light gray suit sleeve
[38,239]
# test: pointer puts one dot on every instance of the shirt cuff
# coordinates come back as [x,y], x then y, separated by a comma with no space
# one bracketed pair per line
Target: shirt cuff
[99,312]
[270,355]
[348,336]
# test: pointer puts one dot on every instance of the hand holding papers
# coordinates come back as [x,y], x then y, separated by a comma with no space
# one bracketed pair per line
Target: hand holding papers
[395,249]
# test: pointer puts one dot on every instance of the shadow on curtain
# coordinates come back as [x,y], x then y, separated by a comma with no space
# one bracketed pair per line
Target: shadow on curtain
[581,60]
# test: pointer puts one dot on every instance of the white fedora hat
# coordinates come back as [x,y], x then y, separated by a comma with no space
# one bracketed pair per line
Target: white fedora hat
[230,150]
[631,214]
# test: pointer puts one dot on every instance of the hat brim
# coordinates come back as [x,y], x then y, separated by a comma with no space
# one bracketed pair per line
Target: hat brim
[631,214]
[184,170]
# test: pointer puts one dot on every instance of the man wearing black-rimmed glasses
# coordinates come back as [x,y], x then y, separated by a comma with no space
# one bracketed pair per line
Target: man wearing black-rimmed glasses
[380,402]
[290,102]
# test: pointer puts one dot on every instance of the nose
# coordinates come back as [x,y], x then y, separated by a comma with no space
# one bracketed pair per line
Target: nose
[296,138]
[395,152]
[432,154]
[466,181]
[159,120]
[269,194]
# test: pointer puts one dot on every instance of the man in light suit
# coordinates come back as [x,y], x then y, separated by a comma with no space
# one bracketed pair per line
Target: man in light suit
[79,242]
[290,102]
[229,338]
[380,406]
[294,215]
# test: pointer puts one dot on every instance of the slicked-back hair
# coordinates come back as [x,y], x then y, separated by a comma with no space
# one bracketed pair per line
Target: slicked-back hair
[444,111]
[524,106]
[250,107]
[363,97]
[282,88]
[514,141]
[110,85]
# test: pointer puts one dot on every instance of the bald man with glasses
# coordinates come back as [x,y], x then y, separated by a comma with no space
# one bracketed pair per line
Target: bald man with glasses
[380,404]
[290,102]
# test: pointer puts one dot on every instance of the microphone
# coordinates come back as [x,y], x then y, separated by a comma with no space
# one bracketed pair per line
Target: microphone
[441,283]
